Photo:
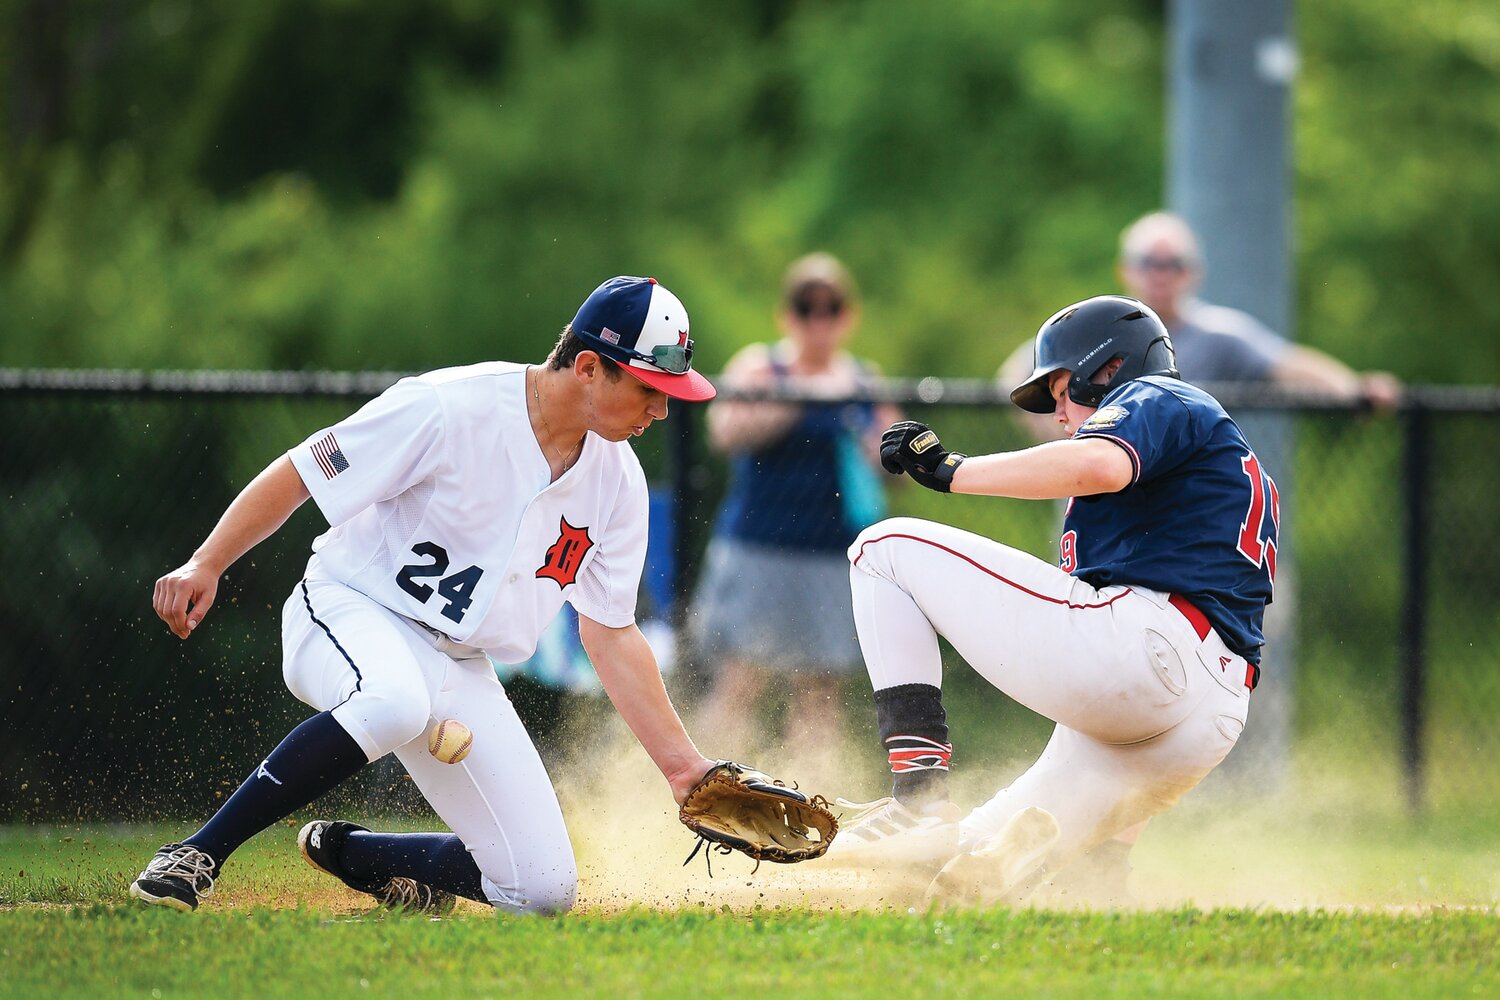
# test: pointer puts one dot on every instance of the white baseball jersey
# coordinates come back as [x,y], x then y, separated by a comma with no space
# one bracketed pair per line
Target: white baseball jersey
[443,510]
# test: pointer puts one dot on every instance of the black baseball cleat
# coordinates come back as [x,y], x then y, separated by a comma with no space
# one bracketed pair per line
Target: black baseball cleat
[322,841]
[178,876]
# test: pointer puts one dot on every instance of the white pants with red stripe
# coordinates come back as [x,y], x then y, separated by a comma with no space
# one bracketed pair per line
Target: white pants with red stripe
[1144,707]
[387,680]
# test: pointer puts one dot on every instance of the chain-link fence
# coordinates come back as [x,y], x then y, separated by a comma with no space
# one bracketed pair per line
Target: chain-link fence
[1388,630]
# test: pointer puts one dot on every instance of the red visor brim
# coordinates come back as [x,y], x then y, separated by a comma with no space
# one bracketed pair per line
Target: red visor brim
[690,387]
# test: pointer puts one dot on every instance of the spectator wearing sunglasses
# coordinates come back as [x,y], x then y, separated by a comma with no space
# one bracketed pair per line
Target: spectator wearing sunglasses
[1162,265]
[773,604]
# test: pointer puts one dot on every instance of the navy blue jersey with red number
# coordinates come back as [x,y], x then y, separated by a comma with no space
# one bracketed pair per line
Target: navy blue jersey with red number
[1199,518]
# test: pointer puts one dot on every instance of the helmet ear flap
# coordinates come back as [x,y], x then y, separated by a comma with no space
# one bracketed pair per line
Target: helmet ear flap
[1085,393]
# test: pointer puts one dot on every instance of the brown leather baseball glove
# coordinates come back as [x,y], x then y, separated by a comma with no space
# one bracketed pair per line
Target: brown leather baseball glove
[736,808]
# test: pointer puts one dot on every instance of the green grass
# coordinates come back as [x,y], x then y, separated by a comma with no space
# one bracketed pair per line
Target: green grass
[1364,906]
[120,951]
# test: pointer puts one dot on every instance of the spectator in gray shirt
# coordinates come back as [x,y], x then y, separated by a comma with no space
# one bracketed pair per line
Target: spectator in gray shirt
[1162,265]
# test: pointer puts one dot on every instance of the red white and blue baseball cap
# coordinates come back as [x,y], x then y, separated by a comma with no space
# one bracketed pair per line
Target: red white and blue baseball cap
[644,327]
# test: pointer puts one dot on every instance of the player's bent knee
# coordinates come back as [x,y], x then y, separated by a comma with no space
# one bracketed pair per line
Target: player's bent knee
[544,897]
[868,547]
[556,898]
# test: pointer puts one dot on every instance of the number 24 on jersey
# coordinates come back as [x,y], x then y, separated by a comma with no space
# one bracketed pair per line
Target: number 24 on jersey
[455,588]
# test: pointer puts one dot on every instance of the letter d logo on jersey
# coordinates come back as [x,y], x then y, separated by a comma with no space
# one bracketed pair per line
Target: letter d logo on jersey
[565,556]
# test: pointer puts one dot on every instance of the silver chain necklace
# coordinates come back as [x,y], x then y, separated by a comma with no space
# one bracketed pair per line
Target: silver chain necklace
[536,393]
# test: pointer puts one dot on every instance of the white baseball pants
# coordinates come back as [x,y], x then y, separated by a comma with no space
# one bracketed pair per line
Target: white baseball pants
[1144,706]
[387,680]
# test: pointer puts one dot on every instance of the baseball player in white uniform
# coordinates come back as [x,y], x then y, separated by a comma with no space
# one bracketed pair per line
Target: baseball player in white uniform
[1143,644]
[465,506]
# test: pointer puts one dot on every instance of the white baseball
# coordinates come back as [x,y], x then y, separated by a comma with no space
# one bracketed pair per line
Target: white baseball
[450,741]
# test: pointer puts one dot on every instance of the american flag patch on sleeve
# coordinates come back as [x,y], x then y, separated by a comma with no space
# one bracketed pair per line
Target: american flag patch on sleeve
[329,455]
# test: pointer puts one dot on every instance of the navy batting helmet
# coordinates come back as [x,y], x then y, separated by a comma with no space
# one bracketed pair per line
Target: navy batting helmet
[1083,338]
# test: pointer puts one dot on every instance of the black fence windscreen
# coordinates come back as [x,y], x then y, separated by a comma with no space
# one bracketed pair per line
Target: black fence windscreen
[1390,616]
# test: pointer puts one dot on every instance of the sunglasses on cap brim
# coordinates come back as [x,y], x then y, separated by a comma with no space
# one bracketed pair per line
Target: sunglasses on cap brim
[674,358]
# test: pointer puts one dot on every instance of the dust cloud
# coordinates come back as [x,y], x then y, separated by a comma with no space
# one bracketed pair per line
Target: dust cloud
[1316,847]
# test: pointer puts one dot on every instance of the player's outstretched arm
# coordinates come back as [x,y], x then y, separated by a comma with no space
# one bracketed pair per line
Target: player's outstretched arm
[1079,467]
[627,668]
[183,596]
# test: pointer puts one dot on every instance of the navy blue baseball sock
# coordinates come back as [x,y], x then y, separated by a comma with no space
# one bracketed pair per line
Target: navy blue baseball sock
[439,860]
[914,731]
[312,759]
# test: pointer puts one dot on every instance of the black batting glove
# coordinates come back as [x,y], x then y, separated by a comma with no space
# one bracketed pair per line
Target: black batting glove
[914,449]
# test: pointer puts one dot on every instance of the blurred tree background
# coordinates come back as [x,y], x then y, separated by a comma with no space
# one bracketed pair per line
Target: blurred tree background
[330,184]
[418,183]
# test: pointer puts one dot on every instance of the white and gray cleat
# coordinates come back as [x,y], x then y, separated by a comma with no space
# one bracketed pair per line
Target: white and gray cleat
[885,833]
